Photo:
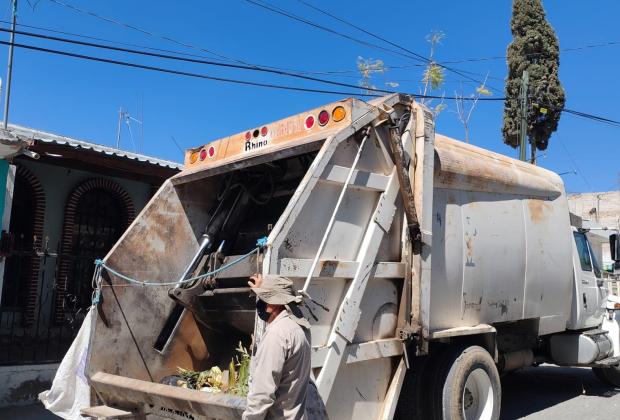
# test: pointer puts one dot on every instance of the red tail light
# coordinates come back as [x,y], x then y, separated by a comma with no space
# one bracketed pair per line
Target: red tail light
[323,117]
[248,135]
[309,121]
[263,131]
[211,151]
[203,154]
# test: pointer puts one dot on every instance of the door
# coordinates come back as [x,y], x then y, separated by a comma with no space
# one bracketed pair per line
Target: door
[590,289]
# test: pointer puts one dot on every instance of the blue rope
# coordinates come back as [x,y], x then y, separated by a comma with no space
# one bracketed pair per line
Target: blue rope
[260,244]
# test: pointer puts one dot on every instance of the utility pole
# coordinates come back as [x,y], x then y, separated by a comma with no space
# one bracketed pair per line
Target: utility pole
[525,81]
[9,70]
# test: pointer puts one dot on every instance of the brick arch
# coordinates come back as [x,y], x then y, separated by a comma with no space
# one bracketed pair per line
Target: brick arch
[38,195]
[66,245]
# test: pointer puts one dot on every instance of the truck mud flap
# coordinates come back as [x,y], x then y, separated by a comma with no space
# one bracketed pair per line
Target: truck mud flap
[164,400]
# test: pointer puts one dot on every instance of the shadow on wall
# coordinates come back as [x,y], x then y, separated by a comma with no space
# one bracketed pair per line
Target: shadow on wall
[21,385]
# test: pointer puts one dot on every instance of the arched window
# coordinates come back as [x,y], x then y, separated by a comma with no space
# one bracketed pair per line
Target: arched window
[22,263]
[97,213]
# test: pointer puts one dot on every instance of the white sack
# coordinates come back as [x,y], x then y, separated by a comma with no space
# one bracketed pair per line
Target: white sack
[70,391]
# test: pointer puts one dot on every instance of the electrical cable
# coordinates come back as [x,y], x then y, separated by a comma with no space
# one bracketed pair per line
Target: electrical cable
[141,30]
[412,54]
[380,92]
[191,60]
[184,73]
[155,35]
[94,38]
[280,11]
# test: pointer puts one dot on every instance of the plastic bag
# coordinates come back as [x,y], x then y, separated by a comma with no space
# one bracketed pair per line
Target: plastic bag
[70,391]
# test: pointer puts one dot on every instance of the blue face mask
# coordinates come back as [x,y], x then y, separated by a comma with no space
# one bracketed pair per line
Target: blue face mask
[261,310]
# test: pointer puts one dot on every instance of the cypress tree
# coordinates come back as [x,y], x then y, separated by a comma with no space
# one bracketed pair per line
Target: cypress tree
[534,48]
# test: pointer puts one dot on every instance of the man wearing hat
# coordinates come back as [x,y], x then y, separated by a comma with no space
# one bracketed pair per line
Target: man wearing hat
[280,371]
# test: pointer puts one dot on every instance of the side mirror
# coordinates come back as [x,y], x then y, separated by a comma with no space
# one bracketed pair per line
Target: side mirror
[614,247]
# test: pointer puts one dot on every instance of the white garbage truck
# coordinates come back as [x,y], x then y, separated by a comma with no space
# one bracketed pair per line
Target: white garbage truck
[430,266]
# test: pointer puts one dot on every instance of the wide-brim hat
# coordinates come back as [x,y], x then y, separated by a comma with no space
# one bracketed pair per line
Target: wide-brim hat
[279,290]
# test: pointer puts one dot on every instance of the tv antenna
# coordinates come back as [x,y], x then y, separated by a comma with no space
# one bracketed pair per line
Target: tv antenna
[124,116]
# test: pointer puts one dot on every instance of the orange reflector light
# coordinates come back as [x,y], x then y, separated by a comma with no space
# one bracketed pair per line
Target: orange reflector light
[193,157]
[339,113]
[616,305]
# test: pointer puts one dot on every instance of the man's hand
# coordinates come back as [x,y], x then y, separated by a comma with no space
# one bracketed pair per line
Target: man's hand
[256,280]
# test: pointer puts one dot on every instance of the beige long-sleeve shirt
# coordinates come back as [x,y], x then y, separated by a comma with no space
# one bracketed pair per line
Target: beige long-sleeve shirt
[280,372]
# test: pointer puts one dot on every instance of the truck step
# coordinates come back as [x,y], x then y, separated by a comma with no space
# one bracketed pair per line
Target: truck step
[610,361]
[105,412]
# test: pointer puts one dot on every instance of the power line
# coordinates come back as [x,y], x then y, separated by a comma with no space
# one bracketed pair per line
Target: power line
[575,166]
[56,31]
[503,57]
[215,78]
[150,33]
[206,62]
[252,68]
[280,11]
[183,73]
[412,53]
[211,52]
[138,29]
[192,60]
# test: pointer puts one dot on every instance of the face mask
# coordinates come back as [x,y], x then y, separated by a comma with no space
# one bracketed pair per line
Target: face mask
[261,310]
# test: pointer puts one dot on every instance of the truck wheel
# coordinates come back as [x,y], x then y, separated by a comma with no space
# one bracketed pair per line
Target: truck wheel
[467,385]
[609,376]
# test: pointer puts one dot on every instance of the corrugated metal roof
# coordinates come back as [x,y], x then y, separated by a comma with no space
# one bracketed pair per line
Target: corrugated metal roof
[25,133]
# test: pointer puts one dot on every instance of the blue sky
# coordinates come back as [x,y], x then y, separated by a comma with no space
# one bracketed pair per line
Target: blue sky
[81,99]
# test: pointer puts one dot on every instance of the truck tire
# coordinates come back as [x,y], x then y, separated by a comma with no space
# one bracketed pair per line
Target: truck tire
[609,376]
[467,386]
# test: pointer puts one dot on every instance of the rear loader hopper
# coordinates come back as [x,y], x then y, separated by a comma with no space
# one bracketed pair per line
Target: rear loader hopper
[352,200]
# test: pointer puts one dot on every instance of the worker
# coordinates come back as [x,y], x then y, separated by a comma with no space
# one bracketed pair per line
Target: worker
[280,370]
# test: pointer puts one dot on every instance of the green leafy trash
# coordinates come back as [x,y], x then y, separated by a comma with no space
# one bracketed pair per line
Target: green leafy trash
[235,382]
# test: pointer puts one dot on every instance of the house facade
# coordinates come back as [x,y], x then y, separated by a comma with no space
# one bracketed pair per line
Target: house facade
[59,212]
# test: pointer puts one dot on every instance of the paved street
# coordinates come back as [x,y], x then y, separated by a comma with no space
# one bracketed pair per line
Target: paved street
[550,392]
[546,392]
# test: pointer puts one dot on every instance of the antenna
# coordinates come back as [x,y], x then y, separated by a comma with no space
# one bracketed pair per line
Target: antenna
[124,115]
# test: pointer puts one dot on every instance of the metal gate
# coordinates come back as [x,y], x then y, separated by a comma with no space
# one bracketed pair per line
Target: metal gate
[34,339]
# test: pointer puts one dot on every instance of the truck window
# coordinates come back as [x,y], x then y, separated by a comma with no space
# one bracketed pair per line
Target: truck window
[595,264]
[582,249]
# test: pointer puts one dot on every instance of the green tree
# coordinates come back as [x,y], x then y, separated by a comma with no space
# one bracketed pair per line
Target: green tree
[534,48]
[367,68]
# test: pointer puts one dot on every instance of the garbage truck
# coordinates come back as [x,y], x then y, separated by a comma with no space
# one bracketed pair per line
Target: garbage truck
[430,268]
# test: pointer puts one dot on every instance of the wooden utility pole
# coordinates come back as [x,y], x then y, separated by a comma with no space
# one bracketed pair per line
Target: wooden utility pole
[525,80]
[9,70]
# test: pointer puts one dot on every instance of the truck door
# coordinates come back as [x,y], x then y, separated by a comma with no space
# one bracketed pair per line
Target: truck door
[592,292]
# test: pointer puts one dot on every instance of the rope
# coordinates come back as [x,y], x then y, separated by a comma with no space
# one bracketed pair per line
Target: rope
[102,265]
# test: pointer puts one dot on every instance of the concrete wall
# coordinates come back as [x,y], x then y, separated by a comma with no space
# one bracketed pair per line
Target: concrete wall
[59,182]
[20,385]
[598,210]
[600,207]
